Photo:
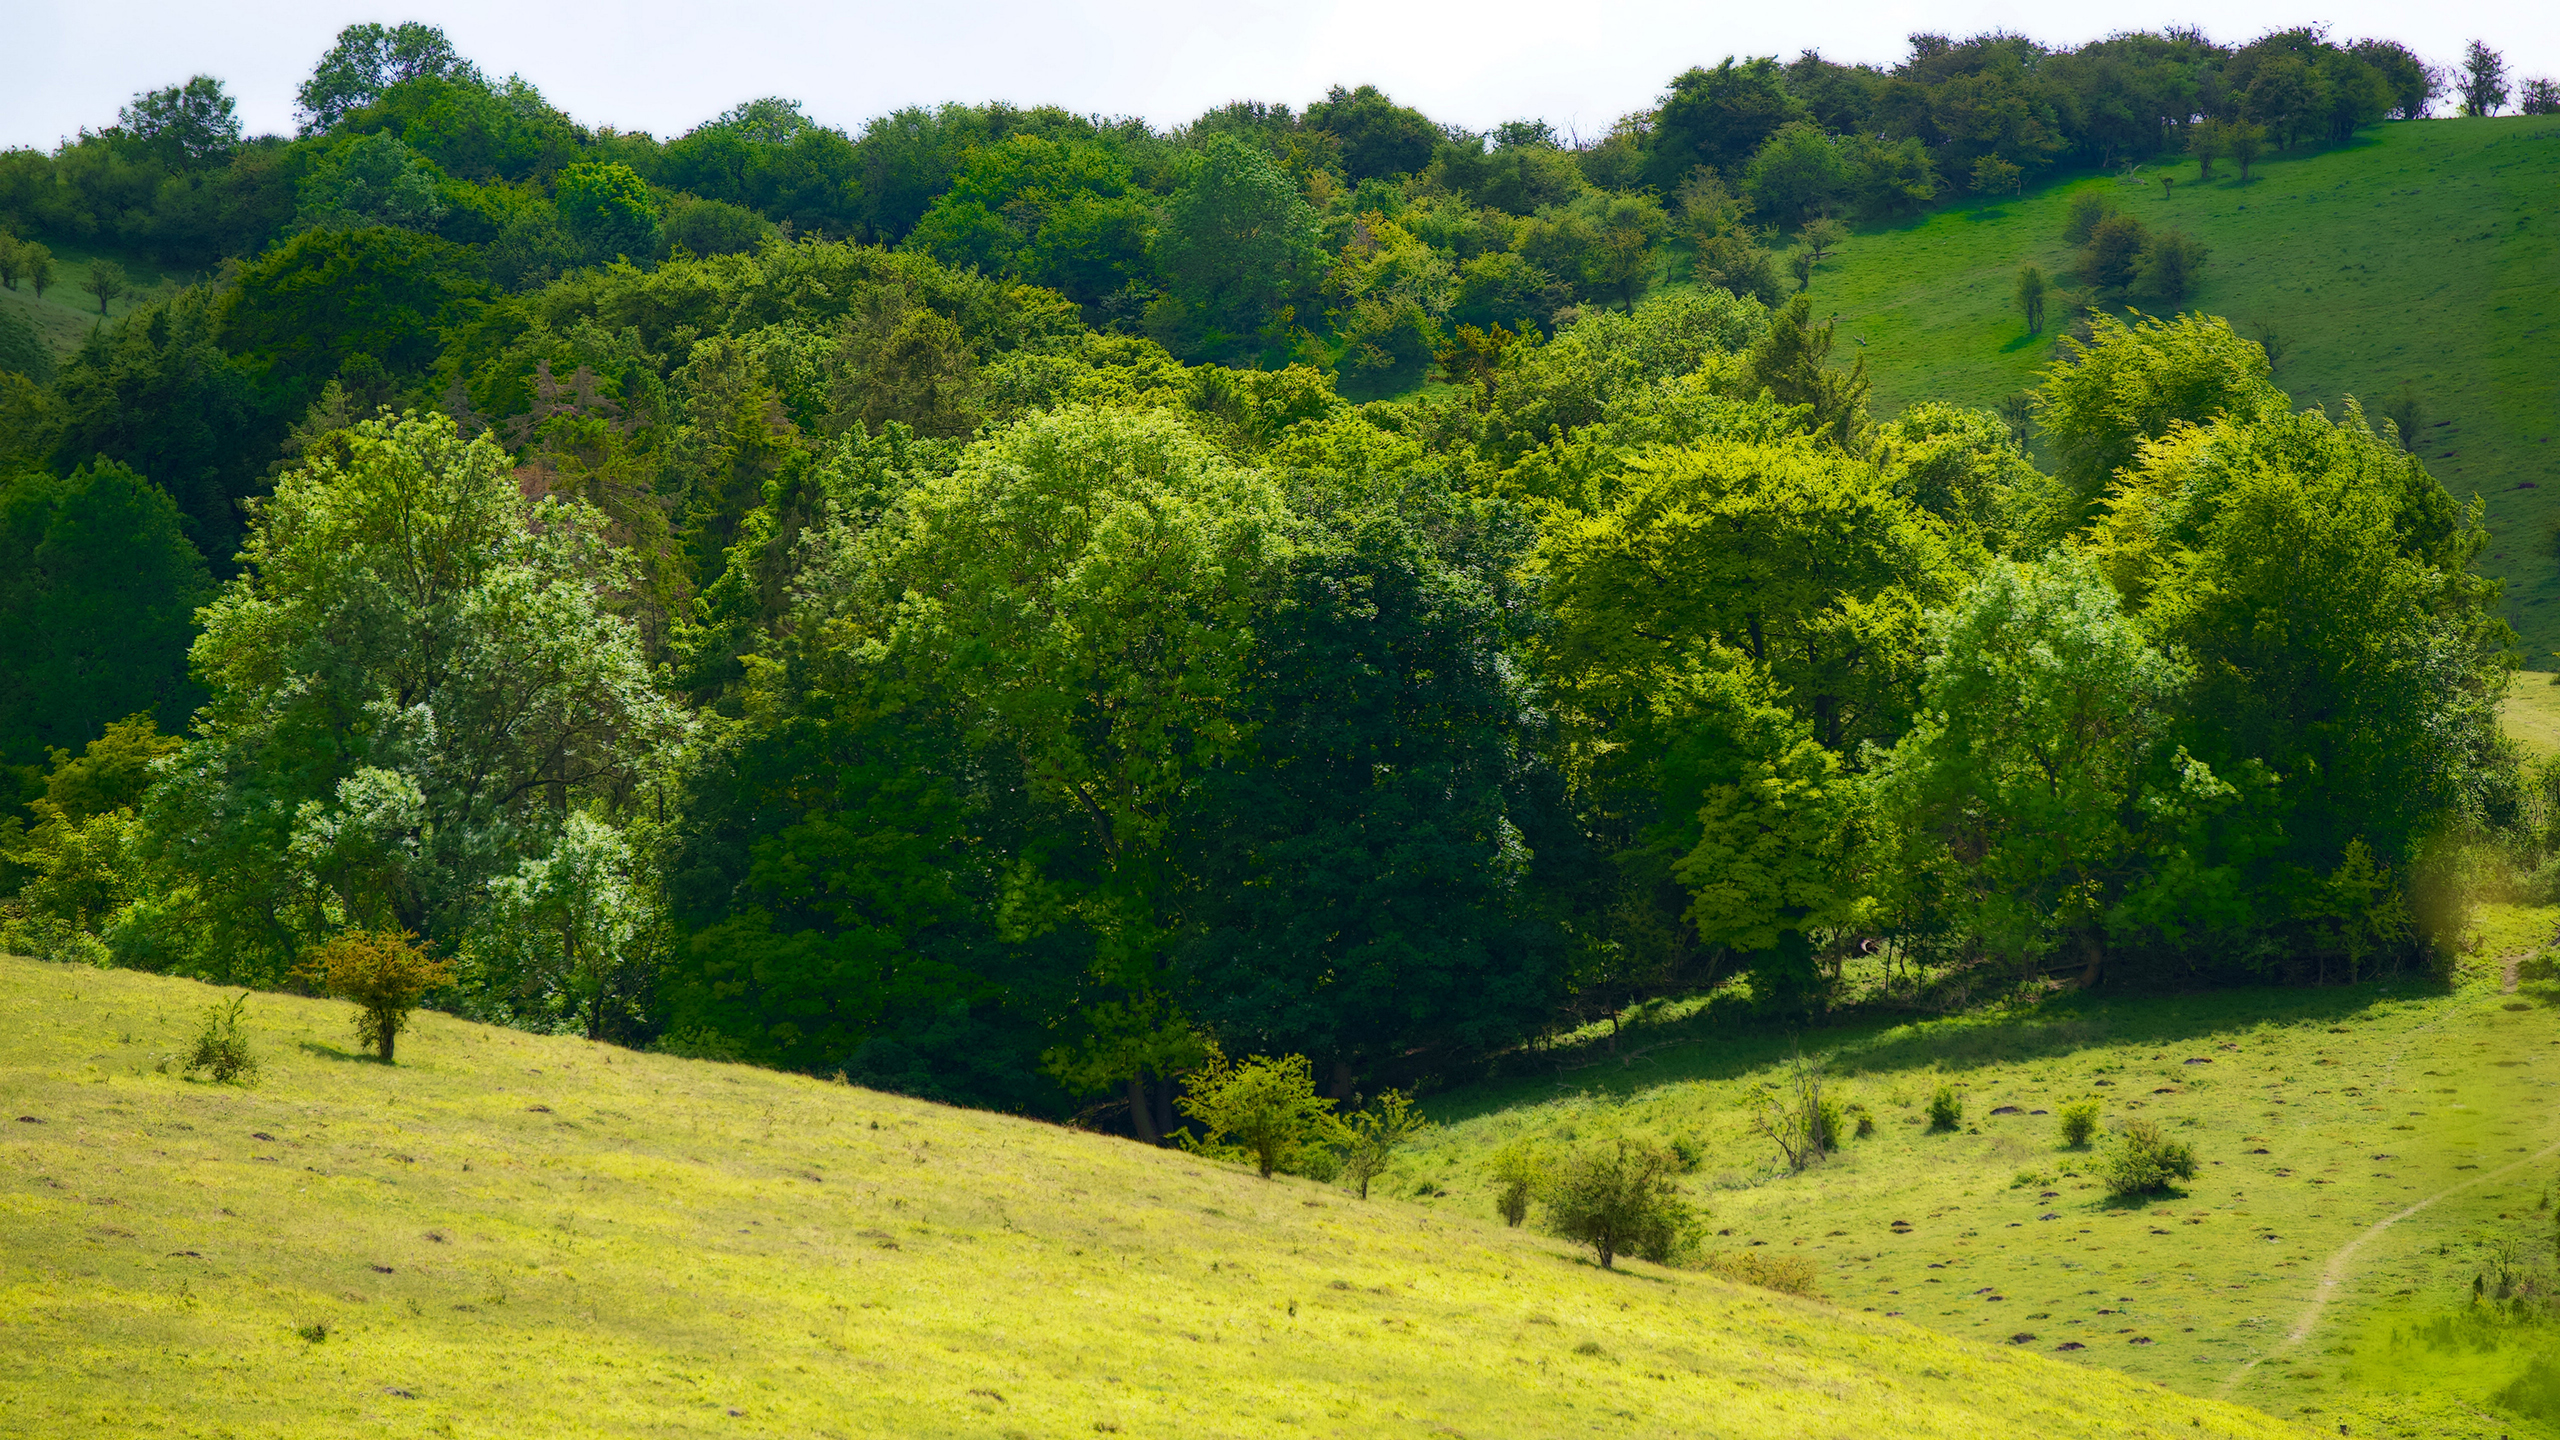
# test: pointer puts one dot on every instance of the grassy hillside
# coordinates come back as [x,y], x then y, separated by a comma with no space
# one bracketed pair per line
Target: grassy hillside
[2424,253]
[2363,1152]
[66,314]
[515,1235]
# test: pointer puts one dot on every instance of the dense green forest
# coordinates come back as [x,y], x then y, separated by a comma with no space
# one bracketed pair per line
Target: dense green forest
[1007,604]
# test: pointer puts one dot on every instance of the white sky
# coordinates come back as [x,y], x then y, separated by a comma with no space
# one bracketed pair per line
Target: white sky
[664,66]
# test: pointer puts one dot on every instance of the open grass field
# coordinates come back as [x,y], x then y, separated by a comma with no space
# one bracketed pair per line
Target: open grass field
[2362,1150]
[2423,253]
[516,1235]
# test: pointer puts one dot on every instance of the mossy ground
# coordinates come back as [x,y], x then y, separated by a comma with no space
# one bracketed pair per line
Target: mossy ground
[508,1234]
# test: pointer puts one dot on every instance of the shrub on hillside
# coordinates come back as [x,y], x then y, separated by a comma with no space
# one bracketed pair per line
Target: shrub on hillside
[1517,1172]
[2142,1160]
[2079,1121]
[1788,1274]
[1375,1133]
[222,1049]
[385,973]
[2087,209]
[1946,1109]
[1619,1198]
[1266,1107]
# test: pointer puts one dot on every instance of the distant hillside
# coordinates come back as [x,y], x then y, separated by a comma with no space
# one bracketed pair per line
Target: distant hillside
[513,1235]
[2425,253]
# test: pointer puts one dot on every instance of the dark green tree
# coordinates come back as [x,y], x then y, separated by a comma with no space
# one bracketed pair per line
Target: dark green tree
[367,60]
[1718,117]
[1379,137]
[98,592]
[184,125]
[1238,242]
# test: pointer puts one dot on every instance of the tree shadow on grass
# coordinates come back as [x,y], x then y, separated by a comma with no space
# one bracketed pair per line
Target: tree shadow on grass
[1715,1047]
[332,1052]
[2022,342]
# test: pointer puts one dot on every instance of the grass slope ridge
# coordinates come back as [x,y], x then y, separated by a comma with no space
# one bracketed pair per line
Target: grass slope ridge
[519,1235]
[2424,253]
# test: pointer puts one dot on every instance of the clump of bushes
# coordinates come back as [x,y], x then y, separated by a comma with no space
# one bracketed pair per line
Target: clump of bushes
[222,1050]
[385,972]
[1946,1109]
[2142,1160]
[2079,1121]
[1619,1198]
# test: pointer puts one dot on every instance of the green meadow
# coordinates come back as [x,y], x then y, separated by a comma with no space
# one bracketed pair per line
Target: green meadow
[508,1234]
[2420,254]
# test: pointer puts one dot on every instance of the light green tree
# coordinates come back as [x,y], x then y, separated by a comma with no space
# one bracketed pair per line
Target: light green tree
[1621,1197]
[1266,1106]
[413,681]
[570,935]
[106,280]
[1375,1133]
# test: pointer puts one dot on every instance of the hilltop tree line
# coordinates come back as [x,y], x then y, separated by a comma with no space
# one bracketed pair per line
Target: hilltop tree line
[915,662]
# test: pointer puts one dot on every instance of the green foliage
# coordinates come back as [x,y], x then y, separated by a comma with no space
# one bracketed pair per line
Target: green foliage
[608,210]
[412,673]
[571,937]
[2079,1121]
[1518,1172]
[1236,244]
[367,60]
[2130,382]
[327,295]
[222,1050]
[98,590]
[1786,1274]
[1946,1108]
[1374,1133]
[1266,1106]
[2143,1161]
[22,350]
[385,972]
[1621,1198]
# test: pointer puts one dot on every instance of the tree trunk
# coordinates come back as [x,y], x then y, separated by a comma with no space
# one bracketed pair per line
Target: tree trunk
[1163,1091]
[1340,1089]
[2097,957]
[1142,1117]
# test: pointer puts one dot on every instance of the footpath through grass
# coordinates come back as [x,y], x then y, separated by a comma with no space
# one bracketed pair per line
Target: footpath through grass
[2314,1114]
[516,1235]
[2426,252]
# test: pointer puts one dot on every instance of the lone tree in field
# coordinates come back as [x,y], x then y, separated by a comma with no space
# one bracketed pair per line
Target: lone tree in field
[2207,140]
[2246,142]
[1620,1198]
[37,261]
[2031,293]
[106,280]
[2484,79]
[385,973]
[1267,1106]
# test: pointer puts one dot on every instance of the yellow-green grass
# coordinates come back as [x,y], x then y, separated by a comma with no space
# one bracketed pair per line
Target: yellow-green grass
[507,1234]
[2425,252]
[2530,714]
[2314,1114]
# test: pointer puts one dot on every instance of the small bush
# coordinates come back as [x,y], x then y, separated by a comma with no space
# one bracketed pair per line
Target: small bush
[2028,1178]
[1946,1109]
[1866,1122]
[222,1051]
[385,973]
[1376,1132]
[2079,1121]
[1619,1198]
[2142,1160]
[2087,209]
[1266,1106]
[314,1332]
[1516,1176]
[1690,1152]
[1788,1274]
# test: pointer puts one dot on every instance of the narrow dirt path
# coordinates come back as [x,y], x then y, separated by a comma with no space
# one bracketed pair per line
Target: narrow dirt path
[2334,1274]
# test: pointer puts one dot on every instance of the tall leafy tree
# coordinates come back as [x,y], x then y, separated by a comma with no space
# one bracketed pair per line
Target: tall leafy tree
[1718,117]
[1238,243]
[411,685]
[367,60]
